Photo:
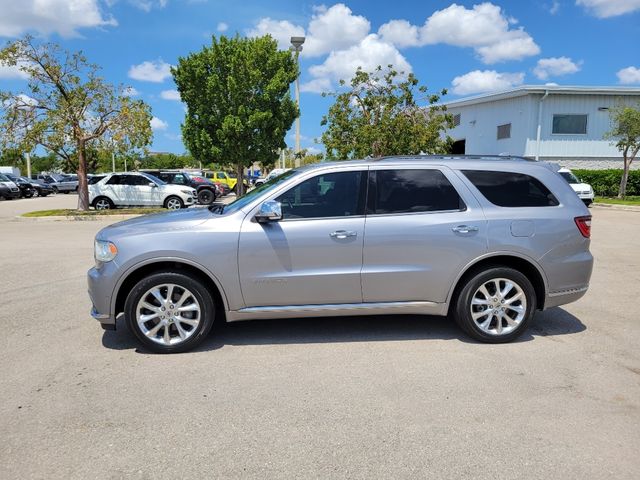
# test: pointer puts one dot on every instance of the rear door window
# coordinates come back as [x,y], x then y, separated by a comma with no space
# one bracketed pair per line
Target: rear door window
[509,189]
[411,191]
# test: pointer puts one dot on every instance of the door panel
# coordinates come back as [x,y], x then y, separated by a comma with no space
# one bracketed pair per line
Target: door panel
[314,254]
[300,263]
[417,256]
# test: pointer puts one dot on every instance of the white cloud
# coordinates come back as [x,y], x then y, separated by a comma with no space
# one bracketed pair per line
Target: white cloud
[629,75]
[609,8]
[485,28]
[317,85]
[555,67]
[368,54]
[334,28]
[280,30]
[151,71]
[330,29]
[313,150]
[63,17]
[148,5]
[130,92]
[157,124]
[554,8]
[222,27]
[400,33]
[12,72]
[170,95]
[482,81]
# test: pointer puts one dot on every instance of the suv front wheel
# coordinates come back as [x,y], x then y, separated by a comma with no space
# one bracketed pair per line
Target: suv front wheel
[169,312]
[495,305]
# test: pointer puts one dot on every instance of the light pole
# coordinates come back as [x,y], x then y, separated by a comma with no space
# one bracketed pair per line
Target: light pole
[296,46]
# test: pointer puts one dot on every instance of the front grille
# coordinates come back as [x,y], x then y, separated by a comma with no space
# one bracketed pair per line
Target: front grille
[14,189]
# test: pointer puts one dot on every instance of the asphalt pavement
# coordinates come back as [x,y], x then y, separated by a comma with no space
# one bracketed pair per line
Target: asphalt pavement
[363,397]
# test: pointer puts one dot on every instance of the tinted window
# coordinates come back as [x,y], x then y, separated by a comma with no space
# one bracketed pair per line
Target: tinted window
[327,195]
[136,180]
[569,124]
[95,179]
[179,179]
[408,191]
[114,180]
[507,189]
[504,131]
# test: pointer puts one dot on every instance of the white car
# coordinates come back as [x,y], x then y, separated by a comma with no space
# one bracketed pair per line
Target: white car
[583,190]
[272,174]
[138,189]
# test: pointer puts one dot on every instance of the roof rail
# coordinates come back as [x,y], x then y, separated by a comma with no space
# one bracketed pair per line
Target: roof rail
[454,157]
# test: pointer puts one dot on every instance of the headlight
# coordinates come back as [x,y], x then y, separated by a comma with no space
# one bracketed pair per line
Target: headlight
[187,192]
[104,251]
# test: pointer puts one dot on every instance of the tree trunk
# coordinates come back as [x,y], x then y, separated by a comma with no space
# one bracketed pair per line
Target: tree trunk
[83,187]
[240,184]
[622,192]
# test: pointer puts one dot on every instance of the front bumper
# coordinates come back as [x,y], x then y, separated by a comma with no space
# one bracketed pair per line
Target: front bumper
[101,282]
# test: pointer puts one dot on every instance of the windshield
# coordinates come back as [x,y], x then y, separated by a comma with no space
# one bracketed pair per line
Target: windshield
[250,196]
[154,179]
[569,177]
[4,178]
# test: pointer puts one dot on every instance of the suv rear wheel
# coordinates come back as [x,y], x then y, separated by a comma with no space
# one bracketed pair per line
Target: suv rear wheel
[496,305]
[169,312]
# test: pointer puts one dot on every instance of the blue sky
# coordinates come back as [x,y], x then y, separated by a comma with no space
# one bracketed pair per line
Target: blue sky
[466,47]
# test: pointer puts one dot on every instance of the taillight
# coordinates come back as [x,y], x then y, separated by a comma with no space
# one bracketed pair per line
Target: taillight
[584,225]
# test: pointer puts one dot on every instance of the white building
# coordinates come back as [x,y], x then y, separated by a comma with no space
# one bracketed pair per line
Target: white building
[551,123]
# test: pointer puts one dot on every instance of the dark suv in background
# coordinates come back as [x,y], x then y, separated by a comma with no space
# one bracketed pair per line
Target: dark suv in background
[207,190]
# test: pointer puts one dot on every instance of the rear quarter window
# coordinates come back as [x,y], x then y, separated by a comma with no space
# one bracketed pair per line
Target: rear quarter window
[509,189]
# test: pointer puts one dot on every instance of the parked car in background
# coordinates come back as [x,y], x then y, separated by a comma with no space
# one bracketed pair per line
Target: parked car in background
[8,190]
[26,188]
[138,189]
[583,190]
[488,240]
[207,191]
[40,188]
[58,182]
[228,179]
[272,174]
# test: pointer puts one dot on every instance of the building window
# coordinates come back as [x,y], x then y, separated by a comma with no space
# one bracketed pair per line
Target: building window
[504,131]
[569,125]
[456,120]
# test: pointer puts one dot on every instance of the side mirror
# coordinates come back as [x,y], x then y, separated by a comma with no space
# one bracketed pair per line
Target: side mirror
[151,184]
[270,211]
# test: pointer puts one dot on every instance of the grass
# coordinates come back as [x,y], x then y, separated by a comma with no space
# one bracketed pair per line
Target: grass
[630,200]
[68,212]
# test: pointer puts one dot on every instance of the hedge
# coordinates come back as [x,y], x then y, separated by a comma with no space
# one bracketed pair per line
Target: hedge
[606,183]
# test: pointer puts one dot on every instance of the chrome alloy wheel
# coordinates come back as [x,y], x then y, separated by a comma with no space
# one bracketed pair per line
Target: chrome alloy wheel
[498,306]
[103,204]
[174,204]
[168,314]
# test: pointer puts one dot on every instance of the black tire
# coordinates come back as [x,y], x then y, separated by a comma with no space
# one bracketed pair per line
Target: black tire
[172,198]
[193,285]
[206,196]
[102,203]
[463,306]
[55,189]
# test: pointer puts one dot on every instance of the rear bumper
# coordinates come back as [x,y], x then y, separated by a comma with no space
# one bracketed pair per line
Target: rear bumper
[555,299]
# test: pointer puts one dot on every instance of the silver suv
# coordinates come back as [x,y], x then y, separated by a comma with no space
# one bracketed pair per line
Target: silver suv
[487,240]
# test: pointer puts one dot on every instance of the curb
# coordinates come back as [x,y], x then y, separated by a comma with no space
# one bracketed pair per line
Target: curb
[77,218]
[611,206]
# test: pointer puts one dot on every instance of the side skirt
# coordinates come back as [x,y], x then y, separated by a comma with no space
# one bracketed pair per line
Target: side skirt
[337,310]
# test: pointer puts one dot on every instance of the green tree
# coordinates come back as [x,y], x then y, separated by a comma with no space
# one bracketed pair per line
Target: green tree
[68,108]
[238,102]
[626,130]
[379,115]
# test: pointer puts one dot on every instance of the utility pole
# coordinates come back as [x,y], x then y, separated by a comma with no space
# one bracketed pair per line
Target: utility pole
[296,46]
[28,159]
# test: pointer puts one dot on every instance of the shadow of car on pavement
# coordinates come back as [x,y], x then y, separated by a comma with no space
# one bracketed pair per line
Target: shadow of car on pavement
[377,328]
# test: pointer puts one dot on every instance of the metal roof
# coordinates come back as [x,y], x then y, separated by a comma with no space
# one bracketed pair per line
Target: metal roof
[541,90]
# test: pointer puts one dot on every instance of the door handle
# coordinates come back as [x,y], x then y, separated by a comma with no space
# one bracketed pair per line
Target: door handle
[465,229]
[343,234]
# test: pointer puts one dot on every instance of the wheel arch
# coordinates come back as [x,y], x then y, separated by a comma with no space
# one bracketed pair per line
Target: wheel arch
[524,265]
[141,270]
